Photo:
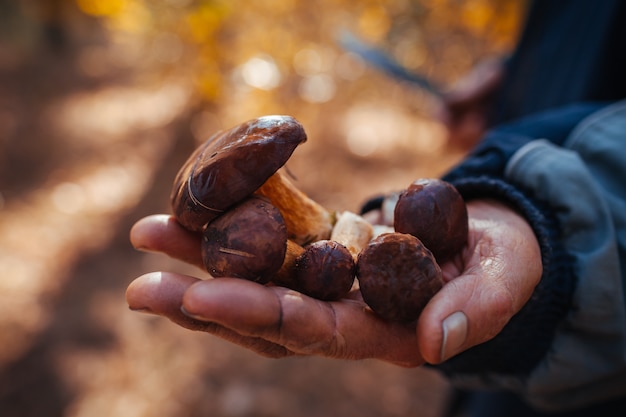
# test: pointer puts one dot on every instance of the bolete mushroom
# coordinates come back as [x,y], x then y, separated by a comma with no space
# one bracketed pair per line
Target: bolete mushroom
[248,241]
[233,164]
[433,211]
[397,276]
[325,270]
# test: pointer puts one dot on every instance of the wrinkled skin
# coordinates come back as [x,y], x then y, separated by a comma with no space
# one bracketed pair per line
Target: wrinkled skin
[489,282]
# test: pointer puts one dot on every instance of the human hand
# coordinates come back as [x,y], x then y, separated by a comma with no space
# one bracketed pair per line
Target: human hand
[270,320]
[489,282]
[464,109]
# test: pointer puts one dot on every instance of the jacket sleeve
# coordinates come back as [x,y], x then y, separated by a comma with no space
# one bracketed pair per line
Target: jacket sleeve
[567,346]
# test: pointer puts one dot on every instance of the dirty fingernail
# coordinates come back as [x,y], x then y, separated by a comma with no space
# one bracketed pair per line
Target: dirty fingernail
[454,334]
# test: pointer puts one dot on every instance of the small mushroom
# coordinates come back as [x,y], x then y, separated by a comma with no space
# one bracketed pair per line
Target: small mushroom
[433,211]
[325,270]
[249,241]
[397,276]
[234,164]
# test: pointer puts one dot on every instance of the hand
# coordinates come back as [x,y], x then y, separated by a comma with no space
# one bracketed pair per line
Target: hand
[485,285]
[465,107]
[272,321]
[489,282]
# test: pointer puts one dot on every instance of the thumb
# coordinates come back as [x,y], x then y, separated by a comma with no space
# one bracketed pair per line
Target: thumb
[467,311]
[500,268]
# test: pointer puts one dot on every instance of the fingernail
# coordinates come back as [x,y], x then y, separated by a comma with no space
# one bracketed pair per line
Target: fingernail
[191,315]
[454,334]
[144,249]
[146,310]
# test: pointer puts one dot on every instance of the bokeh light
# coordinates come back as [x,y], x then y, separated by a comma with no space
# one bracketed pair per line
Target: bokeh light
[260,72]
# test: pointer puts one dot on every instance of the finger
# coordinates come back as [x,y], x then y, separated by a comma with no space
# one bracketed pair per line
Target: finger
[465,312]
[346,329]
[373,216]
[159,293]
[162,233]
[162,293]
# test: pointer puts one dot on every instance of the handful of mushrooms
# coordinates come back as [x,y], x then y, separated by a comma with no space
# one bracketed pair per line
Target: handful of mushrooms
[258,226]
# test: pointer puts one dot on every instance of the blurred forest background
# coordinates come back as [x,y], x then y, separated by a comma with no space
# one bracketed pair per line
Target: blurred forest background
[100,104]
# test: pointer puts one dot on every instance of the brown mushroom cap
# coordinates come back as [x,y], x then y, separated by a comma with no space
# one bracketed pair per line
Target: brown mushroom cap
[249,241]
[433,211]
[397,276]
[230,166]
[325,271]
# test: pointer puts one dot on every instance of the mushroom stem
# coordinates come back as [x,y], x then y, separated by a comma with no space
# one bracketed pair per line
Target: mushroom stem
[380,229]
[352,231]
[285,275]
[306,220]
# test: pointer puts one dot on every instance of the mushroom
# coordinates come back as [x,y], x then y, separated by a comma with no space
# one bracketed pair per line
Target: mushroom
[379,229]
[397,276]
[433,211]
[249,241]
[352,231]
[233,164]
[325,270]
[307,221]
